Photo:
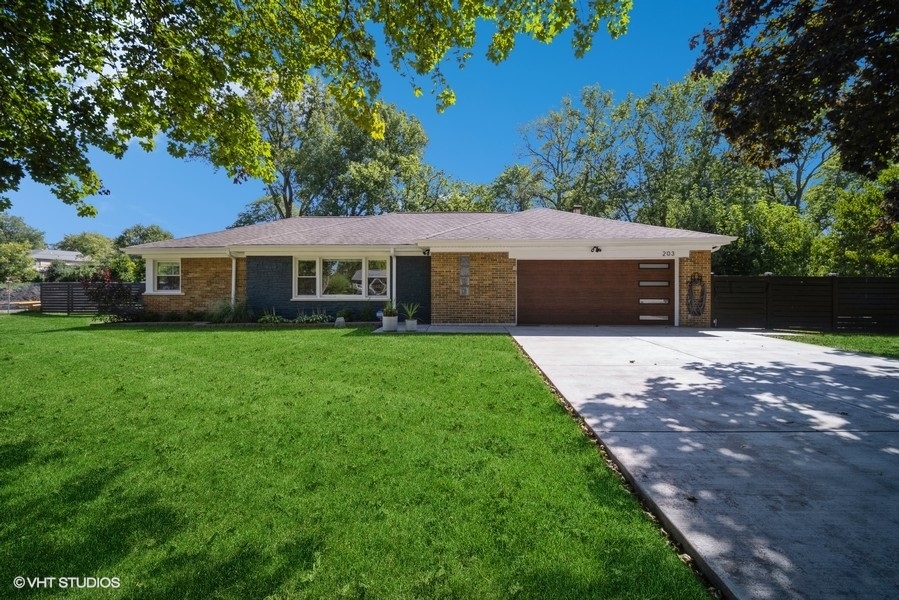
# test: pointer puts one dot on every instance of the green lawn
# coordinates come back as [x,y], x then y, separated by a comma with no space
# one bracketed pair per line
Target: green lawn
[881,345]
[305,463]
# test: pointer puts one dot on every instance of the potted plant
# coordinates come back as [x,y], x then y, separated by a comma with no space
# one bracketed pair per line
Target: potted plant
[390,317]
[410,309]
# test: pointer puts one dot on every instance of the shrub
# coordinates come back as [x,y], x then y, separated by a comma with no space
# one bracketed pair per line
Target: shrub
[116,301]
[272,318]
[315,317]
[226,312]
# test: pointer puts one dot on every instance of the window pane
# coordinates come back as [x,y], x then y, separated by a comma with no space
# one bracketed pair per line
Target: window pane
[306,268]
[305,286]
[168,268]
[168,283]
[377,278]
[342,277]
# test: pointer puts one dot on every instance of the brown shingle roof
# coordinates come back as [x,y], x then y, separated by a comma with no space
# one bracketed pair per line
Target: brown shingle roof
[396,229]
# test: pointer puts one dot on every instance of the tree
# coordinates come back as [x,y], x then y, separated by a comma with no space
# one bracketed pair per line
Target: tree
[141,234]
[798,69]
[75,75]
[88,243]
[16,262]
[14,229]
[860,241]
[326,163]
[261,210]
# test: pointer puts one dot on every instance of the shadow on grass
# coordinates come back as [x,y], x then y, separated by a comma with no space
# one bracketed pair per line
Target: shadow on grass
[90,525]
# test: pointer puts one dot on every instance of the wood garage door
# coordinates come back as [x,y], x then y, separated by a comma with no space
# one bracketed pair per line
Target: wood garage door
[595,292]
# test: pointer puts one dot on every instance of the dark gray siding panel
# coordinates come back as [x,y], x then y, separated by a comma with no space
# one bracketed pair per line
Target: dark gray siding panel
[270,286]
[269,283]
[413,284]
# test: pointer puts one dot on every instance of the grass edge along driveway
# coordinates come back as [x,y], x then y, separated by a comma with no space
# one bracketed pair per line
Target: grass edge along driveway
[320,463]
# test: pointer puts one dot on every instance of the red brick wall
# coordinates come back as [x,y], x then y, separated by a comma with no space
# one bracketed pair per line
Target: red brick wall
[204,283]
[491,291]
[699,263]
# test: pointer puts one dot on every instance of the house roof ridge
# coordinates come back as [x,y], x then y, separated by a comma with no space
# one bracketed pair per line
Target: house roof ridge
[493,216]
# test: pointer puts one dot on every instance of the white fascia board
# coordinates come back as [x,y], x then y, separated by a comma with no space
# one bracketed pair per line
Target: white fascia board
[167,253]
[327,251]
[665,248]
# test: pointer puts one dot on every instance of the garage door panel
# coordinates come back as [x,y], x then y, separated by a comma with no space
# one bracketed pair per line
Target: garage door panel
[594,292]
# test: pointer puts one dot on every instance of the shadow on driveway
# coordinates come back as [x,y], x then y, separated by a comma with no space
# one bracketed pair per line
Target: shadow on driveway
[775,463]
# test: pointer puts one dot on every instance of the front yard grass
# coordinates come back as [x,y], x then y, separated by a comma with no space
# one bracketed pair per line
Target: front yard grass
[323,463]
[880,345]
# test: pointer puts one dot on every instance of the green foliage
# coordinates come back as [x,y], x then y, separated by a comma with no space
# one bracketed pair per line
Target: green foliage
[389,309]
[799,69]
[261,210]
[60,271]
[312,318]
[880,345]
[227,312]
[860,241]
[95,245]
[141,234]
[121,70]
[271,317]
[14,229]
[116,301]
[134,268]
[16,262]
[410,309]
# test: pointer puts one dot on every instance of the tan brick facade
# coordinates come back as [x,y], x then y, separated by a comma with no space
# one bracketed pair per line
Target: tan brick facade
[204,283]
[491,291]
[698,294]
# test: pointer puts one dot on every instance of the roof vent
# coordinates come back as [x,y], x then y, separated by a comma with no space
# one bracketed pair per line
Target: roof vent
[577,209]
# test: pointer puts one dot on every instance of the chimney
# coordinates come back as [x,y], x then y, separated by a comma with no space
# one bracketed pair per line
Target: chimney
[577,209]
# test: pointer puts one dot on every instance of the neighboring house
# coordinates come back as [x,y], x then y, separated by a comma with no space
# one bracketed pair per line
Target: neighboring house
[540,266]
[44,258]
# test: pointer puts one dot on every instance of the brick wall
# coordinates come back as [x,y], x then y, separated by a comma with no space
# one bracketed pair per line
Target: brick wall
[204,283]
[699,263]
[491,290]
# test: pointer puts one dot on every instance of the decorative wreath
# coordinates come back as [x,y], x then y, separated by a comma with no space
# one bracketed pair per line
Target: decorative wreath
[696,295]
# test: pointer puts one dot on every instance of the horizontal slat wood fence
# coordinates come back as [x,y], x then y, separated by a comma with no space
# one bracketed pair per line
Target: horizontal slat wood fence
[864,304]
[69,298]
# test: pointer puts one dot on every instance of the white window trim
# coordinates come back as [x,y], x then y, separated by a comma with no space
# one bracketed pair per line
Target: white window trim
[151,278]
[319,296]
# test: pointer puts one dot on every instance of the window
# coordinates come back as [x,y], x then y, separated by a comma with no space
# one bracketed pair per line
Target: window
[306,279]
[342,277]
[168,276]
[377,279]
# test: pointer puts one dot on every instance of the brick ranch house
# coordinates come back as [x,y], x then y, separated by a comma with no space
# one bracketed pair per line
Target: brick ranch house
[540,266]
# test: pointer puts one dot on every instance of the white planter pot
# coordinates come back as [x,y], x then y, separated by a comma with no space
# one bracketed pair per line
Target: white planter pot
[389,323]
[411,324]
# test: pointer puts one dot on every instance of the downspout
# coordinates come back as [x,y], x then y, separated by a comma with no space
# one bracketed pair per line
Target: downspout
[393,275]
[233,278]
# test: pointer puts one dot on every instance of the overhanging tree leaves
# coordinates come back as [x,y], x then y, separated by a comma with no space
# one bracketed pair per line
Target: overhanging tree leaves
[75,75]
[802,67]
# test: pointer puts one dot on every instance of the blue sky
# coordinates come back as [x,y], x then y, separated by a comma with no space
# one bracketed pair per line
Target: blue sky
[473,140]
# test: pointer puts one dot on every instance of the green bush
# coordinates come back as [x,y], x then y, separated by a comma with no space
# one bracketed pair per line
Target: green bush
[226,312]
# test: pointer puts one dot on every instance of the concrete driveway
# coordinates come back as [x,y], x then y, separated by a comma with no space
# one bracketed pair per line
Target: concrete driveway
[775,463]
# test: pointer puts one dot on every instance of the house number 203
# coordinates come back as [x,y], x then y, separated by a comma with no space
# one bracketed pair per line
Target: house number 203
[667,252]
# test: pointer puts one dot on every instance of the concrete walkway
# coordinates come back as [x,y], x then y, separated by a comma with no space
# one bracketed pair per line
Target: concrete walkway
[775,463]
